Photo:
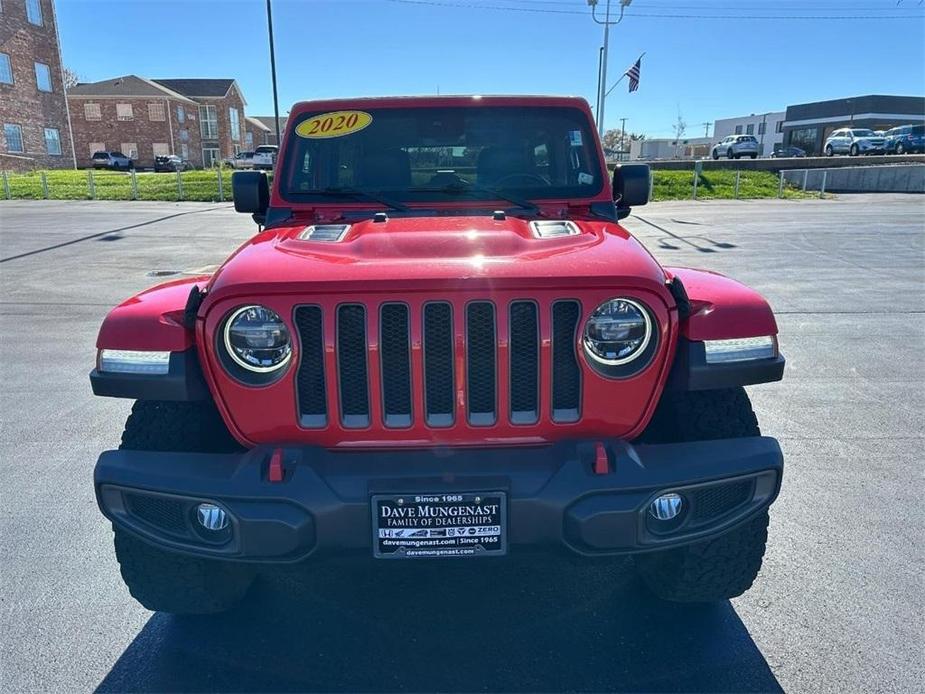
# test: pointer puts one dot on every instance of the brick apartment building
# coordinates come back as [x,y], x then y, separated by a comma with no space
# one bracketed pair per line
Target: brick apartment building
[256,134]
[33,109]
[270,123]
[198,119]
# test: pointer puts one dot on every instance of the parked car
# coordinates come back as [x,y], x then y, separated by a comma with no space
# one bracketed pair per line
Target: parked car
[172,162]
[112,160]
[853,141]
[905,139]
[265,157]
[788,151]
[241,160]
[416,343]
[736,147]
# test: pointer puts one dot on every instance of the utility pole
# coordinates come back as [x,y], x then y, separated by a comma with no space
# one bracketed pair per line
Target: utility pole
[706,128]
[623,149]
[279,140]
[602,82]
[764,127]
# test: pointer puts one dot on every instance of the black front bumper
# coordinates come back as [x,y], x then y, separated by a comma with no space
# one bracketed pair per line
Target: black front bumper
[557,496]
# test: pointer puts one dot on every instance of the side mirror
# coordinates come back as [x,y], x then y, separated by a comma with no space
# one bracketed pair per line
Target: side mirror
[251,193]
[630,187]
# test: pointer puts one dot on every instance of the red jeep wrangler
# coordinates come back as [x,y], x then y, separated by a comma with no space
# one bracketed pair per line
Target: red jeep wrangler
[441,344]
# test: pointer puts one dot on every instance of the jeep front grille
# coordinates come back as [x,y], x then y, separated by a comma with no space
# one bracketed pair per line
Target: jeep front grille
[472,357]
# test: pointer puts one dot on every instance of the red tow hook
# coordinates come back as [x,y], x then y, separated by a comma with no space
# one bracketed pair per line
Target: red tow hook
[601,461]
[275,471]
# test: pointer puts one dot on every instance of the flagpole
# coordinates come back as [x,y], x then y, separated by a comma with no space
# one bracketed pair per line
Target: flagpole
[641,55]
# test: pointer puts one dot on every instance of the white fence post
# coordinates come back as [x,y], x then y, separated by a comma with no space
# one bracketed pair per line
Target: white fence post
[780,186]
[179,187]
[822,189]
[805,178]
[91,186]
[221,188]
[44,186]
[738,175]
[134,186]
[6,187]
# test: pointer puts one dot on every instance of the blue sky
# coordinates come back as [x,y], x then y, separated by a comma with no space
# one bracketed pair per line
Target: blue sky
[707,58]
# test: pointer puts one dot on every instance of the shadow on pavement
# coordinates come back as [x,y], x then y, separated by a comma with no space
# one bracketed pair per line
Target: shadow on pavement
[471,626]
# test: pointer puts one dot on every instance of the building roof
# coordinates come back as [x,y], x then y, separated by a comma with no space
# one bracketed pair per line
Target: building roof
[257,122]
[199,87]
[125,86]
[269,122]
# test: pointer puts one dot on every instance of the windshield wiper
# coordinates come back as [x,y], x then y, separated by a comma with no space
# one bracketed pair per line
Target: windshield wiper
[333,191]
[463,188]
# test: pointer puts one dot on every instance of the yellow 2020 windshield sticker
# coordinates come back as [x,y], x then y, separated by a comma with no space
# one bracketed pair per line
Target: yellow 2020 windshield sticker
[333,124]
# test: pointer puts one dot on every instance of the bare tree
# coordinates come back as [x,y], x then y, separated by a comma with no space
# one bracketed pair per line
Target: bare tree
[615,140]
[71,78]
[680,127]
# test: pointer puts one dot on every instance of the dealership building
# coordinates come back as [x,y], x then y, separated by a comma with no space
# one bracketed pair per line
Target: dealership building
[808,125]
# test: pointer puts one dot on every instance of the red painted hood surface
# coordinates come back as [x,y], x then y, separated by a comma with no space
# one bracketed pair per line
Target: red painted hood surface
[447,252]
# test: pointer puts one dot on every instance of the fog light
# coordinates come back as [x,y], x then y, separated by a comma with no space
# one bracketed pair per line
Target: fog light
[212,517]
[666,507]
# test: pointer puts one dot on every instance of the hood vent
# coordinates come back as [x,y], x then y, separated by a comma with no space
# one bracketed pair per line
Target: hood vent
[326,233]
[549,229]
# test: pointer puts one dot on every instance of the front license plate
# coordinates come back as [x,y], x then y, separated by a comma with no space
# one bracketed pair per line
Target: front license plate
[407,526]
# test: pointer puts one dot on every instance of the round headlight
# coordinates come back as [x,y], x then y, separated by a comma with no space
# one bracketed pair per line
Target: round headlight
[257,339]
[617,332]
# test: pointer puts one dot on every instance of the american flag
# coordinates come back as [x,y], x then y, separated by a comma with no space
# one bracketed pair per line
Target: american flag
[633,74]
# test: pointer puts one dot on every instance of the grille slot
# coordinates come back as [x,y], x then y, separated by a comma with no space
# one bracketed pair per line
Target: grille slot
[353,373]
[161,512]
[313,402]
[712,502]
[481,363]
[524,356]
[566,373]
[395,353]
[438,364]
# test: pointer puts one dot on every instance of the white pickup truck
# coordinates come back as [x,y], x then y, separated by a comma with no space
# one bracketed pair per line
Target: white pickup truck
[265,157]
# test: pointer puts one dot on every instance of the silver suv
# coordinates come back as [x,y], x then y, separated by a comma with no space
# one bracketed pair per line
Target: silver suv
[736,147]
[854,141]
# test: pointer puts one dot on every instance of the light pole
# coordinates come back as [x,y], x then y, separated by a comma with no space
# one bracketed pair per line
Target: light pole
[273,73]
[602,82]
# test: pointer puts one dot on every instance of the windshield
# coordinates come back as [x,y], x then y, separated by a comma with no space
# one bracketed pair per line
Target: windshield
[863,133]
[440,154]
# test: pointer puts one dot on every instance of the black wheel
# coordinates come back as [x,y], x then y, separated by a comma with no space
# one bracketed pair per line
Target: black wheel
[829,151]
[726,566]
[729,154]
[853,151]
[899,148]
[167,581]
[754,156]
[715,154]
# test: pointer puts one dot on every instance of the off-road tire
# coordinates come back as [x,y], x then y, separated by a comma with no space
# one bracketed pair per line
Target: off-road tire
[168,581]
[195,427]
[717,569]
[726,566]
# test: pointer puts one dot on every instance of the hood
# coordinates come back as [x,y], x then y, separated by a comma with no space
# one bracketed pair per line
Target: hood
[457,252]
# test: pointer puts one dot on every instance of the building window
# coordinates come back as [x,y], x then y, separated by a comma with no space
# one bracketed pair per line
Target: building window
[210,155]
[780,126]
[208,123]
[6,70]
[52,141]
[42,77]
[124,112]
[738,130]
[249,139]
[184,151]
[13,135]
[34,11]
[235,124]
[156,111]
[181,115]
[97,147]
[762,126]
[92,112]
[750,129]
[160,149]
[130,149]
[805,139]
[184,135]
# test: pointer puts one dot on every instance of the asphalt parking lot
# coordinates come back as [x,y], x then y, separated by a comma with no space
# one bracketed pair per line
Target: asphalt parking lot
[839,605]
